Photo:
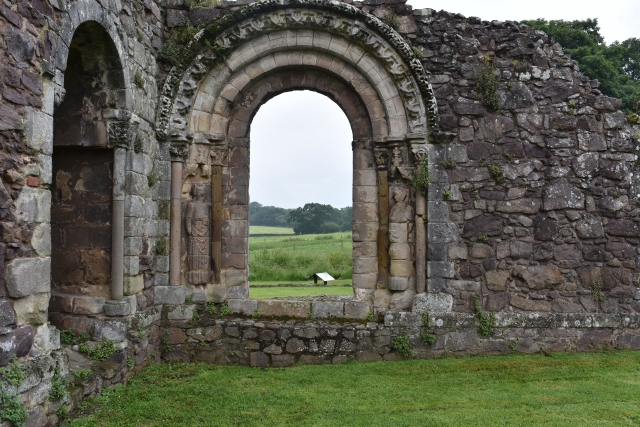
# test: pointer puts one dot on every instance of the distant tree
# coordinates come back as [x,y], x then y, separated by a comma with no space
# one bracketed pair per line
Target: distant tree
[268,215]
[310,218]
[616,66]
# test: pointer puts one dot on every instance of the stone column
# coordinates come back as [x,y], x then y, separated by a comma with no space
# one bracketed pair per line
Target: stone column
[117,225]
[365,221]
[421,243]
[178,151]
[176,222]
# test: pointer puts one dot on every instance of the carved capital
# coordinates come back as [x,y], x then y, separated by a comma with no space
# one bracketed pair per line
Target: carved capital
[178,151]
[120,134]
[382,158]
[218,155]
[419,152]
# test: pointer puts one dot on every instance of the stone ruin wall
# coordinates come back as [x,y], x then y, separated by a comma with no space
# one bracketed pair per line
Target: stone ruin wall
[529,207]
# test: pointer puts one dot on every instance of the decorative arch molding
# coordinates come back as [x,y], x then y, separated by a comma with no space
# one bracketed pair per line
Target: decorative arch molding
[207,104]
[377,40]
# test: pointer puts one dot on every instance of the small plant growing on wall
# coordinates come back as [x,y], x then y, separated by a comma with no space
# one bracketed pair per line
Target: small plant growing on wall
[139,80]
[391,19]
[449,164]
[402,345]
[12,410]
[487,87]
[420,175]
[486,322]
[596,291]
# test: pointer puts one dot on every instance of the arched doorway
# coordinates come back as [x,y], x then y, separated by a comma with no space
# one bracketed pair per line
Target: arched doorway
[301,165]
[85,253]
[234,67]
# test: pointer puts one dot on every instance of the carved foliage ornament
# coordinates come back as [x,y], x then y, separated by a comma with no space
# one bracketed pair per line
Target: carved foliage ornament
[255,18]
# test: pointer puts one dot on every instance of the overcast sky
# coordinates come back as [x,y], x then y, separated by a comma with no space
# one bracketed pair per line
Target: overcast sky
[301,141]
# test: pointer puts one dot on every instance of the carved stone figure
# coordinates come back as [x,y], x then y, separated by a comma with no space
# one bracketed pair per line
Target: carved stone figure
[198,224]
[400,230]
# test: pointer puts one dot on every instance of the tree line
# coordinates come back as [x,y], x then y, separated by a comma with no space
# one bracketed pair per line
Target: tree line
[312,218]
[616,66]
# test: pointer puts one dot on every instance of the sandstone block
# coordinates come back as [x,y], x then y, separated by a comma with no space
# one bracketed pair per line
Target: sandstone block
[402,300]
[540,276]
[41,240]
[133,284]
[400,283]
[398,233]
[32,309]
[88,305]
[481,251]
[402,268]
[497,302]
[530,305]
[496,280]
[399,251]
[28,276]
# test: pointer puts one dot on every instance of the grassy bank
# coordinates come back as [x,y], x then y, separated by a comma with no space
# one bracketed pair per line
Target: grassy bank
[262,293]
[563,390]
[295,258]
[263,229]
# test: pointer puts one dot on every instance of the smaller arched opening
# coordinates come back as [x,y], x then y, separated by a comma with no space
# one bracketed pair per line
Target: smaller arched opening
[300,184]
[83,171]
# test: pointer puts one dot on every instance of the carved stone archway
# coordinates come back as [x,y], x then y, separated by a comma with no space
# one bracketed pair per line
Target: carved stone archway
[233,67]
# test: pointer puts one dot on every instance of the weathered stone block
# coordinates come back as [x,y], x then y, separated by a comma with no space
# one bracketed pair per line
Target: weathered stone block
[277,308]
[243,306]
[169,295]
[356,309]
[433,303]
[465,285]
[528,206]
[32,309]
[530,305]
[28,276]
[402,268]
[39,131]
[496,280]
[114,330]
[16,343]
[562,195]
[88,305]
[327,309]
[540,276]
[440,269]
[33,205]
[133,284]
[115,308]
[402,300]
[259,359]
[181,312]
[7,315]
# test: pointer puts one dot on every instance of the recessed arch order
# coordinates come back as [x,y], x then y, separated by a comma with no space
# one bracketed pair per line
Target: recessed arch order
[241,61]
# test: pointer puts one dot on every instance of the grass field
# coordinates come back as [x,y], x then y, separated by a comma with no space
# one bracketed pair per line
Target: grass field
[562,390]
[262,293]
[261,229]
[289,259]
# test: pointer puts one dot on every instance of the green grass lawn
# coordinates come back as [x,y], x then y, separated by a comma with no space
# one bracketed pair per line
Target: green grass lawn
[563,390]
[289,259]
[262,293]
[263,229]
